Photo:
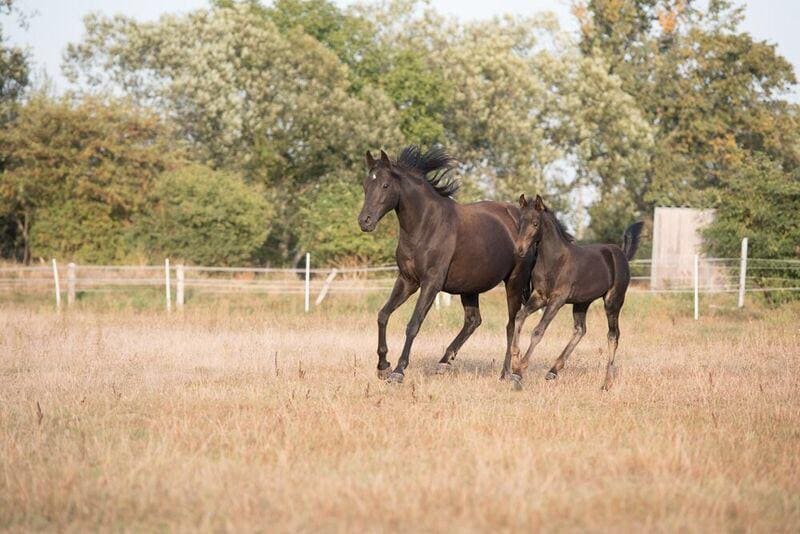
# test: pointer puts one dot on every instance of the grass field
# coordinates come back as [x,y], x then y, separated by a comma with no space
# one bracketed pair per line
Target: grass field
[132,419]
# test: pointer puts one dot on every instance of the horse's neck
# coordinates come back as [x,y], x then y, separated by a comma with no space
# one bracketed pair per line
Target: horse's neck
[418,202]
[552,246]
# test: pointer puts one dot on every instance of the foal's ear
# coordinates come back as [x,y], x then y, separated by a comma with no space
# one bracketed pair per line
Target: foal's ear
[385,158]
[369,161]
[523,202]
[538,204]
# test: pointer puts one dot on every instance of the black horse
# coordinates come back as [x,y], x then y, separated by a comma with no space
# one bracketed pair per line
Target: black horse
[569,274]
[462,249]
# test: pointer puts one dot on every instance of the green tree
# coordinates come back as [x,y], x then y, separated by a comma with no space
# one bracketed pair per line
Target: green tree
[712,95]
[276,106]
[205,217]
[75,175]
[328,213]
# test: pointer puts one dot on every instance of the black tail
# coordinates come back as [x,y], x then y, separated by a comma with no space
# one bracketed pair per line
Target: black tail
[630,239]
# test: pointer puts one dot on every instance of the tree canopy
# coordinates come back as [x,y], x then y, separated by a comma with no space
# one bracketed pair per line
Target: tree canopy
[650,102]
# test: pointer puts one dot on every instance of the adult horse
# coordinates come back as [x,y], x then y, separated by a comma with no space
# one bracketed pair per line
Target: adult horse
[462,249]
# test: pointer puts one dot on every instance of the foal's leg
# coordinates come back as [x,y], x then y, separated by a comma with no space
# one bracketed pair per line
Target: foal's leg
[402,290]
[612,313]
[424,302]
[579,318]
[520,364]
[472,320]
[514,302]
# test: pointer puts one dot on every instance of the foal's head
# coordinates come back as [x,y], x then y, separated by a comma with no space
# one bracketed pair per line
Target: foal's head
[530,223]
[381,191]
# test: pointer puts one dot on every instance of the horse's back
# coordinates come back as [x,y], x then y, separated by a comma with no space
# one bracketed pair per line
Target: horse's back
[484,252]
[601,268]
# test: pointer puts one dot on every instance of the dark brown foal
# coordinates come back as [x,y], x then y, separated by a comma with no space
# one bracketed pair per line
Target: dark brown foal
[566,273]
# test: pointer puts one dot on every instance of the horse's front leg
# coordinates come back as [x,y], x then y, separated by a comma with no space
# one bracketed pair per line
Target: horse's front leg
[402,289]
[518,365]
[426,298]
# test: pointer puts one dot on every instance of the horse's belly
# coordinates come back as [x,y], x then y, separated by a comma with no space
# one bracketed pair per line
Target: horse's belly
[459,284]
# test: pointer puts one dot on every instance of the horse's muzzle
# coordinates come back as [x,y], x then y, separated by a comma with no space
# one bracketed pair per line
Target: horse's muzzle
[367,223]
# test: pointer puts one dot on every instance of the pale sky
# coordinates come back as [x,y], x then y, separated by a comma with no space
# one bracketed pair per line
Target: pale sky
[58,22]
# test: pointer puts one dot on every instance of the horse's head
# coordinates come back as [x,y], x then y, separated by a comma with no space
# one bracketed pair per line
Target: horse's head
[530,224]
[381,191]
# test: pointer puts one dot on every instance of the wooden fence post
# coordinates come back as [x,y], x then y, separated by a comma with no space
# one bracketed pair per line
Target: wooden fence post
[308,283]
[324,291]
[743,273]
[167,285]
[70,284]
[696,287]
[179,277]
[57,284]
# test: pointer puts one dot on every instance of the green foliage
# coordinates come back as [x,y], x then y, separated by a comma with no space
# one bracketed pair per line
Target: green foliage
[329,230]
[711,93]
[74,176]
[761,203]
[204,217]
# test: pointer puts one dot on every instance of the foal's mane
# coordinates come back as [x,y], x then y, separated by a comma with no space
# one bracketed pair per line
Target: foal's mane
[434,166]
[561,230]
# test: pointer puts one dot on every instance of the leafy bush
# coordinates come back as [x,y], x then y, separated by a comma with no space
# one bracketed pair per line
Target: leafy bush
[205,217]
[330,231]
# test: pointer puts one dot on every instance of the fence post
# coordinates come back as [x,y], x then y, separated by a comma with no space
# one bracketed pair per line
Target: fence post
[308,282]
[743,273]
[57,284]
[447,299]
[325,286]
[70,284]
[179,277]
[167,285]
[696,287]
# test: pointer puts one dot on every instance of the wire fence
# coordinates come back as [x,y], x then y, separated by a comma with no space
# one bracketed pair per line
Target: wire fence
[693,275]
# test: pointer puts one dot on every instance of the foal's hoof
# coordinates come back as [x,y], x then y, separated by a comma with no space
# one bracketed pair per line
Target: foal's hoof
[383,374]
[444,368]
[516,382]
[550,375]
[395,378]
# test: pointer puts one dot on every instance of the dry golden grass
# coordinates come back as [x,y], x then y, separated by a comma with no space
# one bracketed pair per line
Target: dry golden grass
[150,422]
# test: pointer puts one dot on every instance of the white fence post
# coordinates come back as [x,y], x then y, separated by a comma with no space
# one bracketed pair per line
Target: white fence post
[57,284]
[447,299]
[167,285]
[325,286]
[70,284]
[743,273]
[696,287]
[308,283]
[179,278]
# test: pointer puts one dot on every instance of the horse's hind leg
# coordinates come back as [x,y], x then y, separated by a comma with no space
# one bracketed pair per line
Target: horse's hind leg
[579,318]
[612,313]
[472,320]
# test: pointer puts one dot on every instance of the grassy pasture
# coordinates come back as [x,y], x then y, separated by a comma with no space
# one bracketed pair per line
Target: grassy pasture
[154,422]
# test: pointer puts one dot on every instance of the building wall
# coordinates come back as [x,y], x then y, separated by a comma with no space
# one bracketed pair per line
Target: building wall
[676,239]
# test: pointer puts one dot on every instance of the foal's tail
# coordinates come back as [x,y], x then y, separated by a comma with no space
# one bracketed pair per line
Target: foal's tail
[630,239]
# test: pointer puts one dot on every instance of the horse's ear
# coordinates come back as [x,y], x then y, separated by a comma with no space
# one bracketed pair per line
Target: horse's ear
[523,201]
[385,158]
[538,204]
[369,160]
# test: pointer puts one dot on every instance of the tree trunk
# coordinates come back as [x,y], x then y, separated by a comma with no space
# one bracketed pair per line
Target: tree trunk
[24,227]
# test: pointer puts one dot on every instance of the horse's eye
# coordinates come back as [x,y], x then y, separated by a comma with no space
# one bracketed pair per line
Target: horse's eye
[385,185]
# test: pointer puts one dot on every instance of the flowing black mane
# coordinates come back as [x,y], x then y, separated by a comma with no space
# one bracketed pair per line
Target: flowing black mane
[560,228]
[434,166]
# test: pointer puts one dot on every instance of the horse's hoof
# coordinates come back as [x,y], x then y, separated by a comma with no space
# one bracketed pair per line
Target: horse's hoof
[395,378]
[550,375]
[444,368]
[516,382]
[383,374]
[504,376]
